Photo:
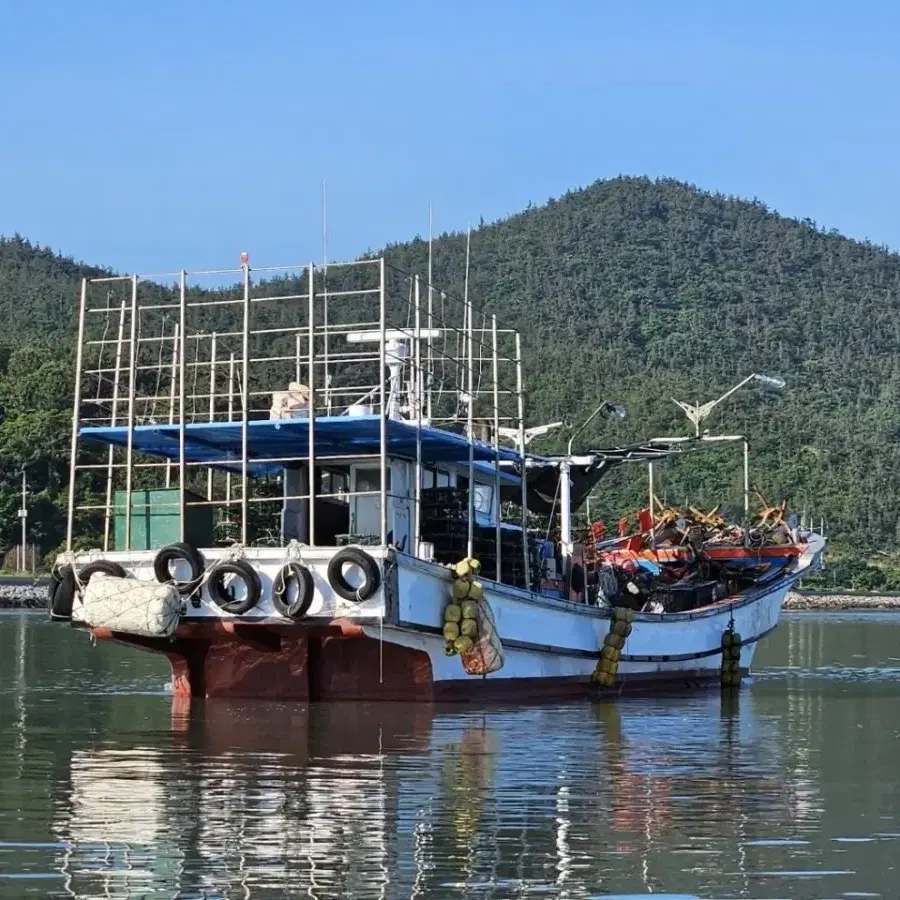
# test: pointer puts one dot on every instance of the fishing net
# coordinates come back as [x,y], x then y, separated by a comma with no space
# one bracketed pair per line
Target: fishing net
[486,654]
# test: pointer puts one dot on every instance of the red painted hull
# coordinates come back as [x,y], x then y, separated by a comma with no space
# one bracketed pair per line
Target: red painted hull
[339,662]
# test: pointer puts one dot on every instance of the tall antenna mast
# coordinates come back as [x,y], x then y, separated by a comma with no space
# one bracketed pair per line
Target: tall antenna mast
[430,241]
[470,411]
[467,313]
[325,298]
[430,363]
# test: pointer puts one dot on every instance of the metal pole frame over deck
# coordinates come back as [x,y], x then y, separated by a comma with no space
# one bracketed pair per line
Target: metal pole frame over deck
[182,311]
[470,404]
[75,414]
[132,377]
[418,381]
[110,454]
[520,398]
[495,373]
[179,300]
[311,337]
[245,400]
[382,365]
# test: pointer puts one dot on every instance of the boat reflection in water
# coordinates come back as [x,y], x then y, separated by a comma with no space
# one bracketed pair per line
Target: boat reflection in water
[413,800]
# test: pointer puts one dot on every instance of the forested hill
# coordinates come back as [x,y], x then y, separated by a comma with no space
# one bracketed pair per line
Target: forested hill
[640,291]
[635,291]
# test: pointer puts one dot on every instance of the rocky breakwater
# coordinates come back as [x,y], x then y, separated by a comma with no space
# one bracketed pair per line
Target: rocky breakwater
[801,600]
[24,594]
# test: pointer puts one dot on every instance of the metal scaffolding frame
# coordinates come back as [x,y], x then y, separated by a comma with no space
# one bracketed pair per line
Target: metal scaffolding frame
[186,351]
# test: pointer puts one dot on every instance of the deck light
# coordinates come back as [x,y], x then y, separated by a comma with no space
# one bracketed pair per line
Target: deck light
[697,413]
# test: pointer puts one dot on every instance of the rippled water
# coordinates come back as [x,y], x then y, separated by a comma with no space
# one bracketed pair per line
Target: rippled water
[789,791]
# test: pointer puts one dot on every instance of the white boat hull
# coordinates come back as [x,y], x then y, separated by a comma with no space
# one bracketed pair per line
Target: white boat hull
[547,647]
[391,646]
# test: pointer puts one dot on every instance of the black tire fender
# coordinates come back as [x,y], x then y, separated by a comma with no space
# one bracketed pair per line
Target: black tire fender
[306,590]
[244,571]
[174,552]
[356,557]
[64,586]
[101,566]
[61,594]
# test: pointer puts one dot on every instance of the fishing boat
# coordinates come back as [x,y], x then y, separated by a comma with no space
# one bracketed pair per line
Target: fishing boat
[316,484]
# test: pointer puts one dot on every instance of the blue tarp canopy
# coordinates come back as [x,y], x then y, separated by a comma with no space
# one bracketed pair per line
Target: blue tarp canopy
[279,438]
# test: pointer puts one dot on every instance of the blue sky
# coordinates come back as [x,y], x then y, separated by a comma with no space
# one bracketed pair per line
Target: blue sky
[155,135]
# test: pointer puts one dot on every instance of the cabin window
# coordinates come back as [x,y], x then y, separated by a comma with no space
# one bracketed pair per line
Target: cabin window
[334,484]
[369,480]
[483,499]
[441,479]
[428,478]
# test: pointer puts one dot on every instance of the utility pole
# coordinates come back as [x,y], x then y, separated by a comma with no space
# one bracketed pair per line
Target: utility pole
[23,515]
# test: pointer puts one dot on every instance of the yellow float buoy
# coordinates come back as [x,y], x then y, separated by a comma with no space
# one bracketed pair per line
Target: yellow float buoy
[730,673]
[614,640]
[461,588]
[469,609]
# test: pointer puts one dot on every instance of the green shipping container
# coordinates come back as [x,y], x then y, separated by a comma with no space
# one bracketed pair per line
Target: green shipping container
[155,520]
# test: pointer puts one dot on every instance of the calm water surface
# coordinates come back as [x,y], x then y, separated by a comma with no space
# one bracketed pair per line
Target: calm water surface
[790,791]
